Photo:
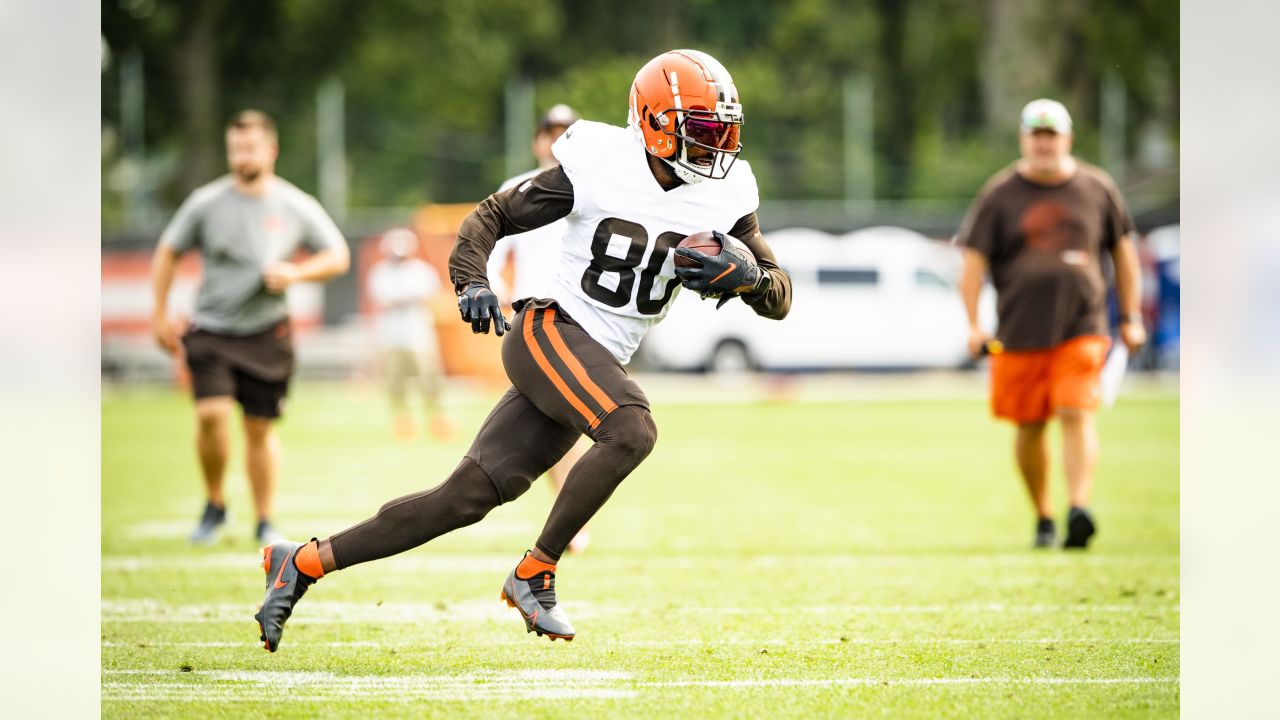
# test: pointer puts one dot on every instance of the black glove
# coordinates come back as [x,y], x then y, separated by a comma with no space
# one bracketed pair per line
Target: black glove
[478,305]
[725,275]
[761,287]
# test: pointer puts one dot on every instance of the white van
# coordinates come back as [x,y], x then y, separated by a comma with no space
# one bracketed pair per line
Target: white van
[882,298]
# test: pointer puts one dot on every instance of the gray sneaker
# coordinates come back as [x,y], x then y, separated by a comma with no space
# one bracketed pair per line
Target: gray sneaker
[535,598]
[1046,534]
[266,533]
[211,522]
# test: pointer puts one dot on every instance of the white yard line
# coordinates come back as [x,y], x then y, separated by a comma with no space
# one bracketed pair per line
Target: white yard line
[257,686]
[256,643]
[180,527]
[501,563]
[679,642]
[787,642]
[341,613]
[489,564]
[970,607]
[254,685]
[313,677]
[839,682]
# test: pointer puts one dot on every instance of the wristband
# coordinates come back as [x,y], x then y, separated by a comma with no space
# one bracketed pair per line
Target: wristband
[762,286]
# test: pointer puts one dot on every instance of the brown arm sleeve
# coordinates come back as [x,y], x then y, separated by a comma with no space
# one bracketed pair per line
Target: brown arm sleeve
[541,200]
[775,302]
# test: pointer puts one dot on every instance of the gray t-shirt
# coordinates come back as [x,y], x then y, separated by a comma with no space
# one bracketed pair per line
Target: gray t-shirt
[239,236]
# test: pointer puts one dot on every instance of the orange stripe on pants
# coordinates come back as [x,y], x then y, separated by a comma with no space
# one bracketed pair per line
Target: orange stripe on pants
[571,361]
[554,377]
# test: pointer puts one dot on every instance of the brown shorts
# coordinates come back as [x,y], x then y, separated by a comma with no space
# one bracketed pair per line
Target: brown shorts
[254,369]
[564,384]
[1028,386]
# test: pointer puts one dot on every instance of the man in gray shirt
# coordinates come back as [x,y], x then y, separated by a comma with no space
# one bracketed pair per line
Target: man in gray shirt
[247,226]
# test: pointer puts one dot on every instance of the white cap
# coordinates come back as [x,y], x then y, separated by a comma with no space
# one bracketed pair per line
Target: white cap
[400,242]
[1045,114]
[559,115]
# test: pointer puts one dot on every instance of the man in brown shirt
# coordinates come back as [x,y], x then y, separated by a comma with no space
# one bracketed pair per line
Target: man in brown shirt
[1041,227]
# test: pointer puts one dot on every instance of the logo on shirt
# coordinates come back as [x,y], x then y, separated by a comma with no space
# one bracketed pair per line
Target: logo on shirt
[1074,257]
[1049,227]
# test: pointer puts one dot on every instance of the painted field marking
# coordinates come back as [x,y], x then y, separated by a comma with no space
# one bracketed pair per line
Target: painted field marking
[179,527]
[341,613]
[258,685]
[501,563]
[836,682]
[244,685]
[678,642]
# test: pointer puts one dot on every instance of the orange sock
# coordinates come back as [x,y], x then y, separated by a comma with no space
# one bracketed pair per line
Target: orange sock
[531,566]
[308,560]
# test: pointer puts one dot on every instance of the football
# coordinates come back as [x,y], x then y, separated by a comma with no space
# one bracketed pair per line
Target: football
[707,244]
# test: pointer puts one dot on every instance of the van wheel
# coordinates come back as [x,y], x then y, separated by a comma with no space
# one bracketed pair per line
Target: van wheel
[730,356]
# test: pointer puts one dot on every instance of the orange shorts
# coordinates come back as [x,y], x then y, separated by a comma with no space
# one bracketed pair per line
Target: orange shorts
[1027,386]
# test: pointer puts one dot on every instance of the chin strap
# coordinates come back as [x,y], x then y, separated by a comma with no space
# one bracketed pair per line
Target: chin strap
[688,176]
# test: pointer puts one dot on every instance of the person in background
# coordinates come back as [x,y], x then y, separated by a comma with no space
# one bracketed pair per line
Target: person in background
[1040,227]
[247,226]
[400,285]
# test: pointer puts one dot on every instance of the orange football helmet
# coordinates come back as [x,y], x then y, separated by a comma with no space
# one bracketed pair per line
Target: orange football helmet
[685,108]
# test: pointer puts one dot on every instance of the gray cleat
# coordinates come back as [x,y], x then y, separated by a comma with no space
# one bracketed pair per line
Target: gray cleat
[211,522]
[535,598]
[285,586]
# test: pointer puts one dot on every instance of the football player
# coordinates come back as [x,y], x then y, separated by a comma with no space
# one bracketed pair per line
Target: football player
[629,195]
[536,254]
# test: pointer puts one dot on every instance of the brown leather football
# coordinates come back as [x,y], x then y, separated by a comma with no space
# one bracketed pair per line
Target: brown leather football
[704,242]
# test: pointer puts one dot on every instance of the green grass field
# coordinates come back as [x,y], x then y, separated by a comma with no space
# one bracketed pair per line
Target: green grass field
[838,558]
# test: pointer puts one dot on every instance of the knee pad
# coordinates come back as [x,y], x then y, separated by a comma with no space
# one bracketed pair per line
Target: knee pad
[631,429]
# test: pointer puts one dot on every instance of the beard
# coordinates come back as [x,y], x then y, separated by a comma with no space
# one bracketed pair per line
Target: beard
[248,173]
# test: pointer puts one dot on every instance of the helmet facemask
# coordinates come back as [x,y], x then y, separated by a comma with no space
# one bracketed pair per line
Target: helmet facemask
[706,141]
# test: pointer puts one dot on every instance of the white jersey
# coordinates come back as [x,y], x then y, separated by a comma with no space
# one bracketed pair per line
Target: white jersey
[616,276]
[401,290]
[536,255]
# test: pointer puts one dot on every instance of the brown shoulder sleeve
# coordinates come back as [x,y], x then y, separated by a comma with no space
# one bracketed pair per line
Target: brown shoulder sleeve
[775,302]
[981,229]
[1117,221]
[541,200]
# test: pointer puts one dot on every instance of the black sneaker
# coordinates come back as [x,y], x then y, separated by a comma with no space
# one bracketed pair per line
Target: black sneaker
[285,586]
[1046,533]
[1080,528]
[211,522]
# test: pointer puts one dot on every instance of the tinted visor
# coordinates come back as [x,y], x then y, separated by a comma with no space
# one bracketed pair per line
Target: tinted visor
[712,133]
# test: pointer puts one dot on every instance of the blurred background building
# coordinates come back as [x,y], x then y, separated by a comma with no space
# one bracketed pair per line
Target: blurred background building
[861,114]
